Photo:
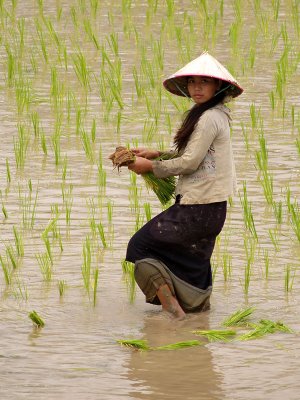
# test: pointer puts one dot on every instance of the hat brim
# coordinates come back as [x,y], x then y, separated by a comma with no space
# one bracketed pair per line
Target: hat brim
[178,85]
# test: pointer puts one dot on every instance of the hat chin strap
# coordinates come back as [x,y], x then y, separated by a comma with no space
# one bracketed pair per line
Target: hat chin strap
[181,91]
[222,90]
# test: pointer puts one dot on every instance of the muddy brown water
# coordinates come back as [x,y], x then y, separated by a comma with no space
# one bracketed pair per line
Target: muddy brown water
[76,356]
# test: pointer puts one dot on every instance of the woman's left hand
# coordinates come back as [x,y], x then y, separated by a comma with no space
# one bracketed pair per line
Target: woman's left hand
[141,165]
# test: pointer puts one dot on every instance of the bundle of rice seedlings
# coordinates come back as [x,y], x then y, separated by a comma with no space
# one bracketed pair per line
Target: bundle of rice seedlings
[215,335]
[179,345]
[135,344]
[36,319]
[239,317]
[164,188]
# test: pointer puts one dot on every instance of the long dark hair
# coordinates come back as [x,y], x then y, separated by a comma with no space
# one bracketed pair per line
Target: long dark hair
[191,118]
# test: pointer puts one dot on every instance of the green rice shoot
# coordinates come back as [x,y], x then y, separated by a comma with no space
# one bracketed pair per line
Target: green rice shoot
[216,335]
[36,319]
[137,344]
[239,317]
[180,345]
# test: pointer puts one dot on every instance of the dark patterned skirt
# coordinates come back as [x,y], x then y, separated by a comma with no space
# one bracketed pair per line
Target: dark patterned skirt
[182,239]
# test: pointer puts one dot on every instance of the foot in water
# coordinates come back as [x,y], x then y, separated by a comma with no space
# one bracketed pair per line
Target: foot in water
[169,302]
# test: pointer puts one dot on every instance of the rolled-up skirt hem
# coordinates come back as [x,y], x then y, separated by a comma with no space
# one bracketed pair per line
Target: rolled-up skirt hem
[150,274]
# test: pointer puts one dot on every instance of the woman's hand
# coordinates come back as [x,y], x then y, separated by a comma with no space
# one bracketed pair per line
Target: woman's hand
[146,153]
[141,165]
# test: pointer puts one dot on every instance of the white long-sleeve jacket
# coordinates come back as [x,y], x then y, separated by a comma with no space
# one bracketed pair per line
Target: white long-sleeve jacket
[206,166]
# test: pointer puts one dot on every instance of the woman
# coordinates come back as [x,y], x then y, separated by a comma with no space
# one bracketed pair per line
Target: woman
[172,251]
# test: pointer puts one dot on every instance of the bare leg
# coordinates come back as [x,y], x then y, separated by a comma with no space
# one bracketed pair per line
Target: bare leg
[169,302]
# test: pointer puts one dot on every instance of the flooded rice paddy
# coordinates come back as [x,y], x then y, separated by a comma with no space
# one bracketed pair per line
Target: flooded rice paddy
[78,78]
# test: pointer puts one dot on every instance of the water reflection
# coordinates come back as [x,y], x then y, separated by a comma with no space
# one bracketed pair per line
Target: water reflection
[182,374]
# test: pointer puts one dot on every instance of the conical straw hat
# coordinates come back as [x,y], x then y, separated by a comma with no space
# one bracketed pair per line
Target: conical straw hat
[204,65]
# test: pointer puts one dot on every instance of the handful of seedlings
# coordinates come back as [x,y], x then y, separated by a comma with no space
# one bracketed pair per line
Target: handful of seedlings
[164,188]
[36,319]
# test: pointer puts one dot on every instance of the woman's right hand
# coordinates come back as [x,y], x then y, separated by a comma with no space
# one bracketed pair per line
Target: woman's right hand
[146,153]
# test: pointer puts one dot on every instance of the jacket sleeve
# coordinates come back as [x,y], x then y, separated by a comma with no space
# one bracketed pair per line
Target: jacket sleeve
[196,149]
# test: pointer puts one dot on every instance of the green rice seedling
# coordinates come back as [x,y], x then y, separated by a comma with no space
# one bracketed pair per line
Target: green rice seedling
[263,328]
[4,211]
[11,66]
[134,344]
[20,146]
[227,266]
[180,345]
[137,83]
[86,266]
[277,208]
[128,275]
[45,264]
[101,234]
[8,174]
[95,285]
[249,246]
[64,168]
[7,271]
[93,130]
[18,242]
[35,119]
[40,34]
[272,99]
[52,33]
[289,278]
[255,115]
[91,35]
[12,256]
[266,262]
[61,287]
[274,238]
[277,326]
[234,34]
[164,188]
[87,145]
[44,143]
[239,317]
[94,7]
[267,184]
[36,319]
[294,211]
[110,207]
[248,216]
[56,148]
[275,6]
[148,213]
[81,70]
[20,290]
[262,154]
[298,145]
[216,335]
[28,204]
[113,42]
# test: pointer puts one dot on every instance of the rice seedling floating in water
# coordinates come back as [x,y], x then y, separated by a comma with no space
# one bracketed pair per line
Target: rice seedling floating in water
[61,287]
[216,335]
[265,327]
[36,319]
[180,345]
[239,317]
[135,344]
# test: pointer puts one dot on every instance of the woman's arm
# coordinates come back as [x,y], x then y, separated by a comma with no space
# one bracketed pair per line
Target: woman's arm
[201,139]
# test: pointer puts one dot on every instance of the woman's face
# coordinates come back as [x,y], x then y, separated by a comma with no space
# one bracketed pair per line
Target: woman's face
[202,88]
